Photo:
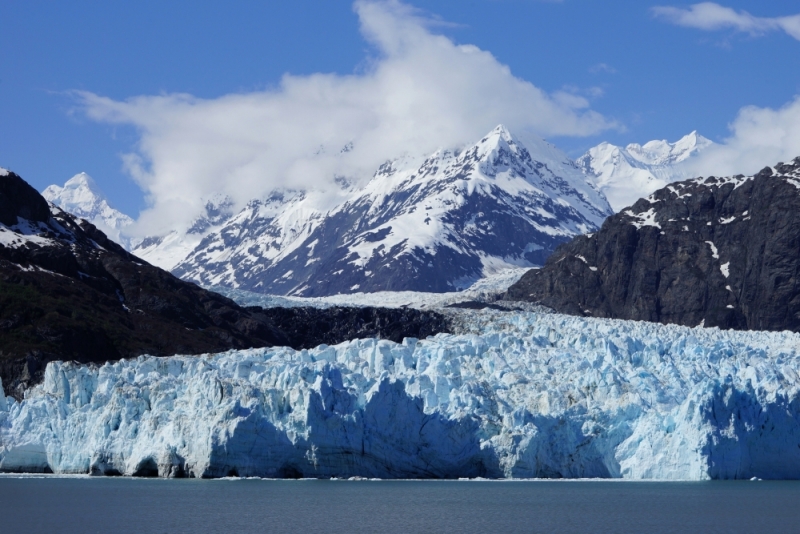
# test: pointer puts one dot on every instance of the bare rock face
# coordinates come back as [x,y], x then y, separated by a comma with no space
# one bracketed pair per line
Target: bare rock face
[19,199]
[306,328]
[714,251]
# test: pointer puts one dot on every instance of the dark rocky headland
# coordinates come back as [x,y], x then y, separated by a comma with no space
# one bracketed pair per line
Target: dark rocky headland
[719,252]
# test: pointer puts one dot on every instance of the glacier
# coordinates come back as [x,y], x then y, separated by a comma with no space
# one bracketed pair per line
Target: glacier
[510,395]
[485,290]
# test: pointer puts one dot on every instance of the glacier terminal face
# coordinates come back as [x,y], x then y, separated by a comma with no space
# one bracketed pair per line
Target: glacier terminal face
[514,395]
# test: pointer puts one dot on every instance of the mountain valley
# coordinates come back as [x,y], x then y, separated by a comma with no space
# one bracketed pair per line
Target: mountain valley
[424,224]
[461,384]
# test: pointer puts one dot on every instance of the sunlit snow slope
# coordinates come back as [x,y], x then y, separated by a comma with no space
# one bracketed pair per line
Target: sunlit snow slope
[81,197]
[626,174]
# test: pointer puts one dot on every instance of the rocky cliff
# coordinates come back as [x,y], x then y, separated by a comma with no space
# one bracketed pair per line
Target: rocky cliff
[708,251]
[68,292]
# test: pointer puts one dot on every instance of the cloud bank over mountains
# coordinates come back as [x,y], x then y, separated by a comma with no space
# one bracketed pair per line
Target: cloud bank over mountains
[420,91]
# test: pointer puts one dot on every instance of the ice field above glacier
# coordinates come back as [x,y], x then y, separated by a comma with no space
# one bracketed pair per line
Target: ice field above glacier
[487,289]
[511,395]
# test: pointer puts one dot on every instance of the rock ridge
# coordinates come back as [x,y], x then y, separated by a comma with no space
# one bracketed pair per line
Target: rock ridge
[707,251]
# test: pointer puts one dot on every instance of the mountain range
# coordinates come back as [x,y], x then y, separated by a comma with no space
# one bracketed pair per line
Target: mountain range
[506,394]
[436,223]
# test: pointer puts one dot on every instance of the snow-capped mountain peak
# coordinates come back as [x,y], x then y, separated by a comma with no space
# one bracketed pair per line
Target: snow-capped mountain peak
[663,152]
[499,135]
[626,174]
[80,192]
[81,196]
[435,224]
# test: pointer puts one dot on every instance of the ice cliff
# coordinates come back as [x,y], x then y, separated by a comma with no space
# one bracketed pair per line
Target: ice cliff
[512,395]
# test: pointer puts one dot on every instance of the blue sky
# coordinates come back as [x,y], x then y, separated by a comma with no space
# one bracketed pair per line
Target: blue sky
[646,74]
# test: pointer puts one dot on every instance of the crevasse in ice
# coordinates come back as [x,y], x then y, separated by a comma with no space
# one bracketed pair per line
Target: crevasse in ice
[513,395]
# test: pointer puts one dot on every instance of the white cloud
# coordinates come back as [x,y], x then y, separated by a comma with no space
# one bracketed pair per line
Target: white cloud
[420,92]
[760,137]
[711,16]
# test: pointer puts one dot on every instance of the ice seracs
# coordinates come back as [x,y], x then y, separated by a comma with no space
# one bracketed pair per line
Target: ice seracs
[514,395]
[626,174]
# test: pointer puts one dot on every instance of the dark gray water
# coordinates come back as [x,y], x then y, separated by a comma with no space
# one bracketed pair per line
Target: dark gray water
[85,505]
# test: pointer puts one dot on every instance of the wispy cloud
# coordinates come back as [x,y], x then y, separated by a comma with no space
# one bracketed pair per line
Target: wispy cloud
[580,95]
[710,16]
[419,93]
[602,67]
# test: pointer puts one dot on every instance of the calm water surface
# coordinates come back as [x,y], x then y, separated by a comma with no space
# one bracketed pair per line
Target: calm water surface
[88,505]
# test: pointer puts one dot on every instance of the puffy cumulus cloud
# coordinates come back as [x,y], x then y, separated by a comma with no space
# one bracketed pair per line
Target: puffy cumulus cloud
[759,137]
[420,91]
[711,16]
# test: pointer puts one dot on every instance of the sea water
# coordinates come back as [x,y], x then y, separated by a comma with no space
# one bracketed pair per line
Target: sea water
[102,505]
